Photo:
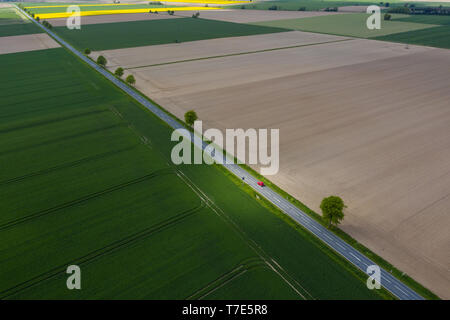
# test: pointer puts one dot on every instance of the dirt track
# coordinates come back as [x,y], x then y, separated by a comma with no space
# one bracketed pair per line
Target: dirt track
[27,42]
[366,120]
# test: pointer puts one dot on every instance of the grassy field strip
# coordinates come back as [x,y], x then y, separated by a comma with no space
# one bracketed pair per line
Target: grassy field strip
[71,127]
[300,290]
[44,16]
[237,54]
[16,165]
[117,245]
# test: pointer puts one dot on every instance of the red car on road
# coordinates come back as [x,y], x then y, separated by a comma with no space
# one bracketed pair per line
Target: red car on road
[260,183]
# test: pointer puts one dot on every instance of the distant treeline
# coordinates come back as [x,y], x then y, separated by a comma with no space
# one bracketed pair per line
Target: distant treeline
[412,9]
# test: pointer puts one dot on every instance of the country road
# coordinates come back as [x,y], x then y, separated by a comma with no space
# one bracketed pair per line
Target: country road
[392,284]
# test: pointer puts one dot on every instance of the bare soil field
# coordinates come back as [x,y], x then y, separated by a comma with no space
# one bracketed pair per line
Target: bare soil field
[247,16]
[27,42]
[112,18]
[362,119]
[168,53]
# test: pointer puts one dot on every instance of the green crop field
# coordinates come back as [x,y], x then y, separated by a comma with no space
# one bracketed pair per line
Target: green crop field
[91,7]
[429,19]
[434,37]
[12,24]
[437,36]
[87,180]
[150,32]
[314,5]
[353,24]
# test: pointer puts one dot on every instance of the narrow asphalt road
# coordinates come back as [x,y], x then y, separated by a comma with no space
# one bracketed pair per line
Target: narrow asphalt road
[392,284]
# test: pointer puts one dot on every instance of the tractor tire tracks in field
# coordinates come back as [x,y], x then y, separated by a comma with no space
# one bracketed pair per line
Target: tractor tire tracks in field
[101,252]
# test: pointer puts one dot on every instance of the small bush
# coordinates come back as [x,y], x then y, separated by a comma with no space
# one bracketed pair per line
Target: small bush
[87,51]
[101,60]
[273,8]
[302,9]
[387,16]
[119,72]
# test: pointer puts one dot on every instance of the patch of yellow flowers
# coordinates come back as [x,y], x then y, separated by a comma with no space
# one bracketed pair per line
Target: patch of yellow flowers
[55,15]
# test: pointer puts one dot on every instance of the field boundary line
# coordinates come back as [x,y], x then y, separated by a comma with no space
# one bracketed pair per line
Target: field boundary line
[237,54]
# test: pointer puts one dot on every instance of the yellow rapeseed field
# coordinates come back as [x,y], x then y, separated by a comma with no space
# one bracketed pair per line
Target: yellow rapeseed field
[138,4]
[102,12]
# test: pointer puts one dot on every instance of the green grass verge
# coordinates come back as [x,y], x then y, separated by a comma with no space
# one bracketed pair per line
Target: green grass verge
[151,32]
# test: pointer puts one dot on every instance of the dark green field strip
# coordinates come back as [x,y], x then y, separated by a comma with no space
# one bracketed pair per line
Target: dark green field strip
[172,263]
[33,136]
[246,286]
[150,32]
[26,162]
[434,37]
[428,19]
[90,228]
[18,29]
[324,274]
[41,64]
[319,270]
[37,194]
[41,89]
[16,113]
[95,8]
